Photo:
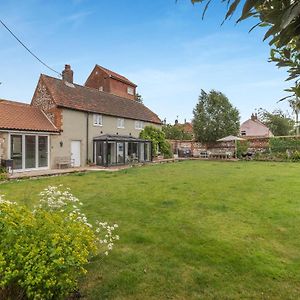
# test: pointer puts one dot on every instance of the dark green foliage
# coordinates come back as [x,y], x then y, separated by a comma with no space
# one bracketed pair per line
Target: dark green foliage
[284,144]
[138,98]
[158,139]
[214,117]
[3,173]
[242,148]
[176,132]
[278,122]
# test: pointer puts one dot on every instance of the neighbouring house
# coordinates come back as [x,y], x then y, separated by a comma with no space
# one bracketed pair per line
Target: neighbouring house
[86,124]
[254,128]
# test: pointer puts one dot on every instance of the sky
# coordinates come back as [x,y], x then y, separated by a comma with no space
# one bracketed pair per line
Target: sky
[163,46]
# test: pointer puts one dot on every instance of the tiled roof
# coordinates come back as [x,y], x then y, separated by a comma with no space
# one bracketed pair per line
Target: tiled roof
[82,98]
[116,75]
[21,116]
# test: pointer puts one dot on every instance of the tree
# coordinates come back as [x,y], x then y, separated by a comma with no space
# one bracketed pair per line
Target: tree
[176,132]
[282,20]
[139,98]
[295,105]
[158,139]
[277,121]
[214,117]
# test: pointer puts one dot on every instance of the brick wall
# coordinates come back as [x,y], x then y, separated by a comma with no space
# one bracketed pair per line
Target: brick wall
[44,101]
[3,150]
[255,145]
[99,78]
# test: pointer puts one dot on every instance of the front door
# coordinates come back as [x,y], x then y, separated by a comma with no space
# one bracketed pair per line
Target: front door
[75,153]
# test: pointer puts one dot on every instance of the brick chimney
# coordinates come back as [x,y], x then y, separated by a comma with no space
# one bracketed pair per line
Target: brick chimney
[254,117]
[67,74]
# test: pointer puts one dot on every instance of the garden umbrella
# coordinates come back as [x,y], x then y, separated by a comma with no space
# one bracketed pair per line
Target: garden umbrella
[231,138]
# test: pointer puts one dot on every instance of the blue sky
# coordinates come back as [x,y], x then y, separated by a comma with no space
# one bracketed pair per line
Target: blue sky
[162,46]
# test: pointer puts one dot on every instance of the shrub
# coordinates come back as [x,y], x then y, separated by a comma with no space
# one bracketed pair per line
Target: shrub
[283,144]
[158,139]
[242,148]
[43,252]
[3,173]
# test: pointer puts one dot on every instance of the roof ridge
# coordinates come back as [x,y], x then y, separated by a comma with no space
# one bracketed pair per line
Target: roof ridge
[11,102]
[97,91]
[115,74]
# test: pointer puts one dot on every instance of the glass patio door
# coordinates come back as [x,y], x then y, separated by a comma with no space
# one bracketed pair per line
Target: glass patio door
[16,151]
[29,151]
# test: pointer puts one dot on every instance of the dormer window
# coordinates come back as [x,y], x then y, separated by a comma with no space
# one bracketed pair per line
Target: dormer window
[97,120]
[139,125]
[130,91]
[120,123]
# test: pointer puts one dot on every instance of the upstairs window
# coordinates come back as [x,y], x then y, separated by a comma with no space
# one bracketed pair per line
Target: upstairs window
[97,120]
[243,132]
[130,91]
[120,123]
[139,125]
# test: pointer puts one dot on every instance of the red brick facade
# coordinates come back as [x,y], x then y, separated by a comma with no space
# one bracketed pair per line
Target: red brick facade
[110,82]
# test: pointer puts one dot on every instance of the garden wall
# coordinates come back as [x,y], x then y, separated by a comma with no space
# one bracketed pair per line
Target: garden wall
[195,148]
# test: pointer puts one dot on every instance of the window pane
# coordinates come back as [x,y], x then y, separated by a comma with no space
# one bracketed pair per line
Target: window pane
[142,152]
[29,151]
[111,153]
[99,153]
[147,151]
[43,151]
[16,151]
[120,153]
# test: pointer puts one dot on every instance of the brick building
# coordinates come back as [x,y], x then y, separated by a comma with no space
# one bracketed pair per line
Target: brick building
[111,82]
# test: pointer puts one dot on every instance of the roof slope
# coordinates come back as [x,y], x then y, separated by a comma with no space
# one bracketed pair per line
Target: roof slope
[116,75]
[82,98]
[21,116]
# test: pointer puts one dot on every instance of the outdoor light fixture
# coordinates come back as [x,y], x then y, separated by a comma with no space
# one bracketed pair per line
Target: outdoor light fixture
[61,143]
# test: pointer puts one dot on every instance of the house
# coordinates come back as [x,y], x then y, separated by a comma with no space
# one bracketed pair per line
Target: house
[186,127]
[85,123]
[108,81]
[254,128]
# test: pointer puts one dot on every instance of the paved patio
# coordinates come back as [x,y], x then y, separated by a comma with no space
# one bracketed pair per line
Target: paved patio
[55,172]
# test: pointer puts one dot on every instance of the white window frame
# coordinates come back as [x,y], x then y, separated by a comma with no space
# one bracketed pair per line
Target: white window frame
[97,120]
[130,90]
[36,135]
[139,125]
[120,123]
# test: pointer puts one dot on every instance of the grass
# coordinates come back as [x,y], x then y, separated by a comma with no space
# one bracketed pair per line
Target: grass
[191,230]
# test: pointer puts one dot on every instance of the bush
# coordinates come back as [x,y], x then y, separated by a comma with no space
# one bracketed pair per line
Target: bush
[43,252]
[242,148]
[158,139]
[3,173]
[283,144]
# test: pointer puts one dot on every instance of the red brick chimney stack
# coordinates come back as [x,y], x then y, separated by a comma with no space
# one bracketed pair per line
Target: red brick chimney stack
[67,74]
[254,117]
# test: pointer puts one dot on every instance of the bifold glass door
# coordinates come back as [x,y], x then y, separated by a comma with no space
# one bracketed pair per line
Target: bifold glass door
[16,150]
[29,151]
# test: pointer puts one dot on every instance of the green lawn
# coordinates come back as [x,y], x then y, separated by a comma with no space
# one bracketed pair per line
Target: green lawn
[191,230]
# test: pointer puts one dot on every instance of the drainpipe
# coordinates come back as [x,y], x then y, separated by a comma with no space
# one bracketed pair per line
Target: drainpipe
[87,137]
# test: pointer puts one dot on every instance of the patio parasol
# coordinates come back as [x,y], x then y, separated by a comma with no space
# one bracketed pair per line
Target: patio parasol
[231,138]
